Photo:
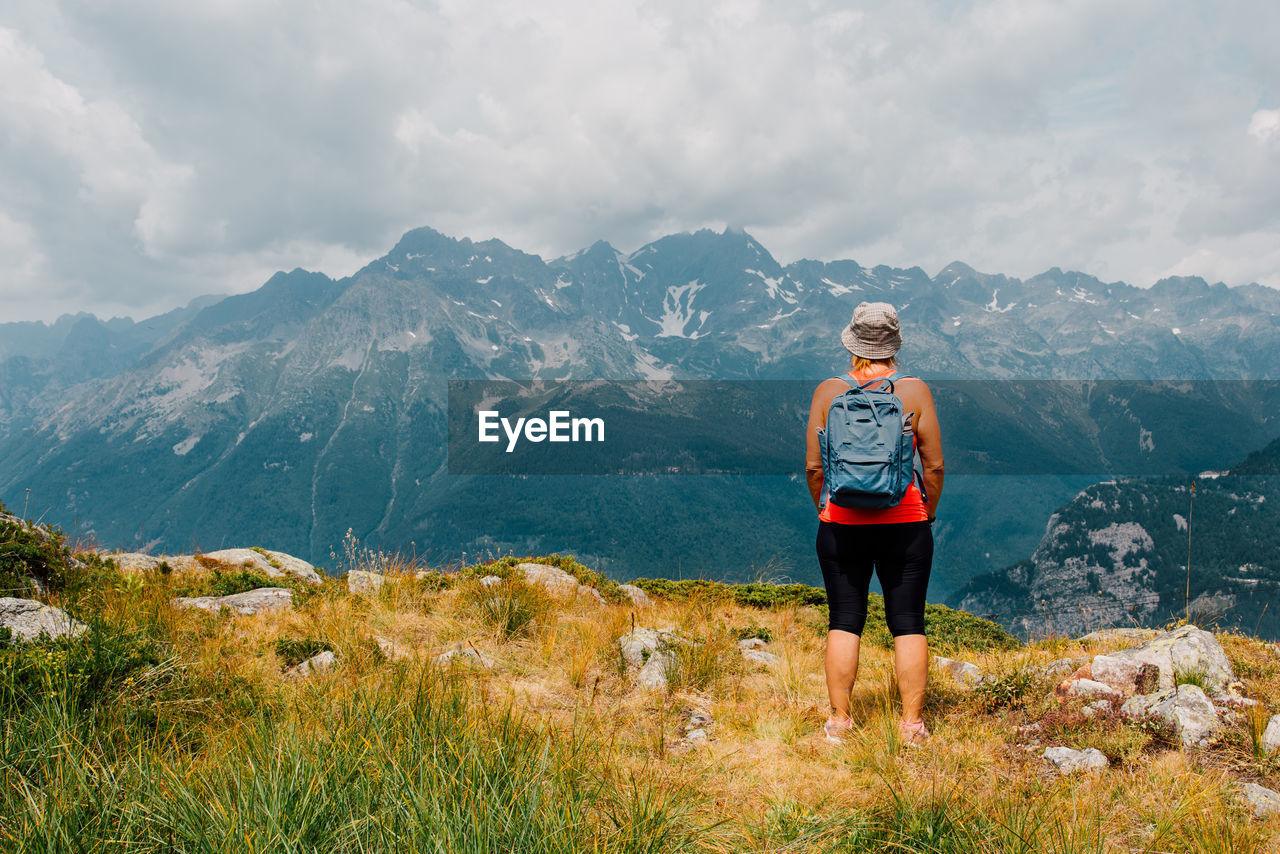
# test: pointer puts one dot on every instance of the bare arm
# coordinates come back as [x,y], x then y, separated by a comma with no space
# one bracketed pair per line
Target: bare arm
[928,444]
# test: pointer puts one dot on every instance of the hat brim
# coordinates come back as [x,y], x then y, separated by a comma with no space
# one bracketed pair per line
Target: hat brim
[866,350]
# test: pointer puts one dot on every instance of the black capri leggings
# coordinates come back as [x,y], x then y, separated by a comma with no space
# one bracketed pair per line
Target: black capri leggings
[901,554]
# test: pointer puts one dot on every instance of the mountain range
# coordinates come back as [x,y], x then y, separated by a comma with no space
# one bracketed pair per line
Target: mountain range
[314,406]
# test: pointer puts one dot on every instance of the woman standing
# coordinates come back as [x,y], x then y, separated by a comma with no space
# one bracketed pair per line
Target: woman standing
[896,542]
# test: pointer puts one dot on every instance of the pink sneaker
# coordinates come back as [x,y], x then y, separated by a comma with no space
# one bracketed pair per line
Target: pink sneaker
[912,735]
[835,729]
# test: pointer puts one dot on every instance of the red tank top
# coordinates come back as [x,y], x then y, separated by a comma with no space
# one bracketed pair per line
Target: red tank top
[910,509]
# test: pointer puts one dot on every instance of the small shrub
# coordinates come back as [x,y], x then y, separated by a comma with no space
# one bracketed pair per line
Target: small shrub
[29,551]
[434,581]
[294,651]
[750,595]
[512,608]
[84,670]
[753,632]
[1004,689]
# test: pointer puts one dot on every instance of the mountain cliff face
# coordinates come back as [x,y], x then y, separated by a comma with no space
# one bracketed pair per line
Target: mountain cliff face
[1118,554]
[312,406]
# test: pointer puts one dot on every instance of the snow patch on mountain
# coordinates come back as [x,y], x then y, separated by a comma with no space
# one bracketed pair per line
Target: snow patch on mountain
[838,290]
[183,447]
[994,305]
[678,311]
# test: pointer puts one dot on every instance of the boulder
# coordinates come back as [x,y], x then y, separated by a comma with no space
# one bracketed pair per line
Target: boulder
[1187,708]
[759,656]
[1097,707]
[751,643]
[250,602]
[638,597]
[654,673]
[1059,667]
[272,564]
[556,581]
[321,662]
[1125,673]
[490,581]
[1090,688]
[553,579]
[464,655]
[961,671]
[1184,650]
[360,581]
[28,619]
[1069,761]
[1263,801]
[639,644]
[135,561]
[1271,735]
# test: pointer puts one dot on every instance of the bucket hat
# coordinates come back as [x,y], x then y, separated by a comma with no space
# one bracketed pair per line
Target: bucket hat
[873,332]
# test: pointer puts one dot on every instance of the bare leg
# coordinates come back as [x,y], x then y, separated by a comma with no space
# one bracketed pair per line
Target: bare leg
[911,660]
[842,669]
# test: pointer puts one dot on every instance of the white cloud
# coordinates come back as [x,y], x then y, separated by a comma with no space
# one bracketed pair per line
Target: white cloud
[159,150]
[1264,126]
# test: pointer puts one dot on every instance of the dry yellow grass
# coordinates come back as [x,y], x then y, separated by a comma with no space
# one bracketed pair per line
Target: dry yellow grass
[765,769]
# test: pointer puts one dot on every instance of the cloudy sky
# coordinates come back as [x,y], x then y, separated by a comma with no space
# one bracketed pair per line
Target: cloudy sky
[153,151]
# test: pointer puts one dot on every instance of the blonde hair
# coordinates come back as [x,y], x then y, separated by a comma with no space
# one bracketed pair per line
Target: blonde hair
[861,364]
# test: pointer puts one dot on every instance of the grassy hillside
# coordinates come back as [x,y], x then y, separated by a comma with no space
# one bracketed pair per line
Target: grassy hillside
[177,730]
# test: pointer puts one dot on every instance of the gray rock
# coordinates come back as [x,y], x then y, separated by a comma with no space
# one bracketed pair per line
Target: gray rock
[759,656]
[638,597]
[250,602]
[696,736]
[553,579]
[697,719]
[464,655]
[1271,735]
[135,561]
[961,671]
[1263,801]
[1184,650]
[1097,707]
[1059,667]
[639,644]
[360,581]
[556,581]
[653,675]
[490,581]
[1090,688]
[1188,709]
[28,619]
[272,564]
[751,643]
[1234,701]
[321,662]
[1125,673]
[1070,761]
[295,566]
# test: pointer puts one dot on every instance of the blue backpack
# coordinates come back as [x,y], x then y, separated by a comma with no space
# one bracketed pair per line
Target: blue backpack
[868,450]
